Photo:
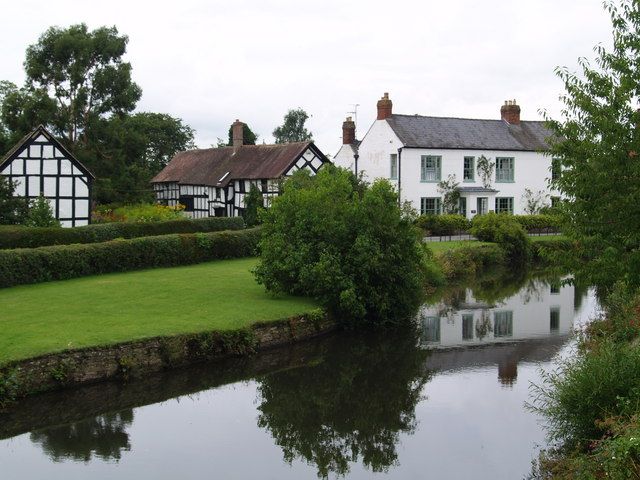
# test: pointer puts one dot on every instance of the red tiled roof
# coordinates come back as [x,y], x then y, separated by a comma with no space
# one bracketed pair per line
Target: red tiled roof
[208,166]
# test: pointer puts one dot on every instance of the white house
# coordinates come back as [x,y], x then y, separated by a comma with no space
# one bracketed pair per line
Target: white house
[212,182]
[39,164]
[416,152]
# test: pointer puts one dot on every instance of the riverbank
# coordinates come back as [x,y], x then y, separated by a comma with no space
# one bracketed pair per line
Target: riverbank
[592,403]
[128,324]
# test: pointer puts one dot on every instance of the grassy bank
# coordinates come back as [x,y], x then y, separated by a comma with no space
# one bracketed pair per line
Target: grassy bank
[592,403]
[107,309]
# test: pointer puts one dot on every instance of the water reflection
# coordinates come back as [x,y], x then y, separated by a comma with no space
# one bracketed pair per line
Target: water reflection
[349,406]
[104,436]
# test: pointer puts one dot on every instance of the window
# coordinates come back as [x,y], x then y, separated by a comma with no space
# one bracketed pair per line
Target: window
[468,174]
[187,202]
[502,324]
[504,169]
[555,168]
[467,326]
[430,168]
[431,329]
[554,319]
[430,205]
[504,204]
[554,288]
[393,160]
[462,207]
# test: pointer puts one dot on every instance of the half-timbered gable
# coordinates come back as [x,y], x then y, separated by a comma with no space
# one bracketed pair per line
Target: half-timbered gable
[214,181]
[39,164]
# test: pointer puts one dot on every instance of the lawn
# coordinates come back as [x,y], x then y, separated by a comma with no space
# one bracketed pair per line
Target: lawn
[453,245]
[107,309]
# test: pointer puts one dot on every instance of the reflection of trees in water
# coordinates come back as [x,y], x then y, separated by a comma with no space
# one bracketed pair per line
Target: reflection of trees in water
[351,405]
[104,436]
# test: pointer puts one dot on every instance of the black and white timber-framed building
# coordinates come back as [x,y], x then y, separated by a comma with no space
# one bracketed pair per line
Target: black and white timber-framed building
[40,165]
[213,182]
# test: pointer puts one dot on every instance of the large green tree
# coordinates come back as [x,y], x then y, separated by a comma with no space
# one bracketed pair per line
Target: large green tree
[83,72]
[598,145]
[293,129]
[80,88]
[345,243]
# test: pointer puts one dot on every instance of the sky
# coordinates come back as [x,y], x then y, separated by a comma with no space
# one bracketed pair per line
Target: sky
[210,62]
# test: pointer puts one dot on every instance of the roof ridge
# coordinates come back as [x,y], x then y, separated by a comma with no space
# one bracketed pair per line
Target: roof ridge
[460,118]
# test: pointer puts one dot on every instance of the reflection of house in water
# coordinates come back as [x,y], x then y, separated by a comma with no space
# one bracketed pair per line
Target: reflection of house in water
[539,309]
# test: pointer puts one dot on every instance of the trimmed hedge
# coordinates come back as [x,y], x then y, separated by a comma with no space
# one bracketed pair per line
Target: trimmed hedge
[34,265]
[12,236]
[443,225]
[539,223]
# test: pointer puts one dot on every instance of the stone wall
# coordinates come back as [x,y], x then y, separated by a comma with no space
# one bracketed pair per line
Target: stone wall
[138,358]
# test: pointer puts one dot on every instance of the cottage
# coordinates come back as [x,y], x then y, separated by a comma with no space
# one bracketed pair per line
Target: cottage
[40,165]
[213,182]
[417,152]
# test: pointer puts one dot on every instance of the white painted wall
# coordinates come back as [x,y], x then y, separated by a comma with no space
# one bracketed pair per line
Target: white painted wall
[532,169]
[531,318]
[344,157]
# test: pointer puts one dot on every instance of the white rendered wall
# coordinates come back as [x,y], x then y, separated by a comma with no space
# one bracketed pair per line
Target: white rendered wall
[531,318]
[532,170]
[344,157]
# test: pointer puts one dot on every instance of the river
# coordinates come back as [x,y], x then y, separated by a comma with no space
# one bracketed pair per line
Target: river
[446,405]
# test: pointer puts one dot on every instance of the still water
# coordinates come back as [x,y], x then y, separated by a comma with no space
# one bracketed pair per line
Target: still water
[449,405]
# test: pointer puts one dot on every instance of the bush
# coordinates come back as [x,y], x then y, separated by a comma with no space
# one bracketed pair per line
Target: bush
[31,237]
[469,260]
[539,223]
[346,244]
[505,230]
[441,225]
[21,266]
[143,212]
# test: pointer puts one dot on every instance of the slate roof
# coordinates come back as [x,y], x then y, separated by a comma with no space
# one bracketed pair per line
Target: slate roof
[469,134]
[210,165]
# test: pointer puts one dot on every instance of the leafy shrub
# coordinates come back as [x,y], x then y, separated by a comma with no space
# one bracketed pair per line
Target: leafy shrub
[143,212]
[24,237]
[41,214]
[469,260]
[539,223]
[345,243]
[21,266]
[443,224]
[505,230]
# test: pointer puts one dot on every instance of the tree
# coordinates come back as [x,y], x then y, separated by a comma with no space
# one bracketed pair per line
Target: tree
[13,209]
[253,202]
[83,72]
[345,243]
[534,202]
[40,214]
[484,167]
[451,194]
[248,137]
[293,129]
[597,142]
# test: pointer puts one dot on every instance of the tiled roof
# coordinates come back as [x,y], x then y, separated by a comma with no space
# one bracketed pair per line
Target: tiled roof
[465,133]
[218,166]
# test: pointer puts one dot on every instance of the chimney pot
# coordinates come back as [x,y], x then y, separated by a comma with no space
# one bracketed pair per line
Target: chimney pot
[385,107]
[348,131]
[510,112]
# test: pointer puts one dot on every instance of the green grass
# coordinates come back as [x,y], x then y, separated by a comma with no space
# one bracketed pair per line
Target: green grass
[107,309]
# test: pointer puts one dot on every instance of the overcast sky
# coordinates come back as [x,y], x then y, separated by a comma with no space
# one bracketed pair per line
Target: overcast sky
[210,62]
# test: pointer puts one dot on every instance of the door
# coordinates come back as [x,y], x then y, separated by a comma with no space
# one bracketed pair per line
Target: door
[482,205]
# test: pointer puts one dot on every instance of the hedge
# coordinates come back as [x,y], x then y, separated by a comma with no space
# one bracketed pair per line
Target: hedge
[445,225]
[441,225]
[12,236]
[34,265]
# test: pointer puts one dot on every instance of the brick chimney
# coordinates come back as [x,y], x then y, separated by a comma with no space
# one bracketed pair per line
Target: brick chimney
[348,131]
[237,134]
[384,107]
[510,112]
